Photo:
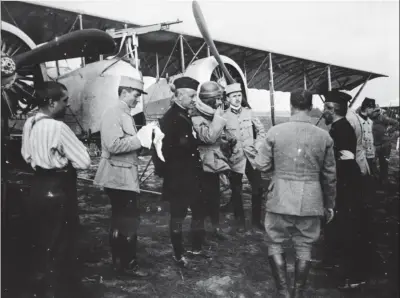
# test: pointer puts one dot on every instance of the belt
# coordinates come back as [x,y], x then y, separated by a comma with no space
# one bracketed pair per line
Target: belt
[40,170]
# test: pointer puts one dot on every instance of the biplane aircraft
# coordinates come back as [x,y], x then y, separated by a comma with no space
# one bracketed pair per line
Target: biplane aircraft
[32,35]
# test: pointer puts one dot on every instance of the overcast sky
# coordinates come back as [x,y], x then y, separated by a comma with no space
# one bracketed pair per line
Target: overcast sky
[356,34]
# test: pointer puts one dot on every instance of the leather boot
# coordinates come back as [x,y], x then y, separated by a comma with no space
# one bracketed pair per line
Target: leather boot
[278,267]
[256,211]
[129,265]
[115,246]
[228,207]
[302,268]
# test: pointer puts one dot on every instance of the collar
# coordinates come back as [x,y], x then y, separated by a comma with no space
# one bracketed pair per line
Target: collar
[179,105]
[124,107]
[300,117]
[236,110]
[180,108]
[365,117]
[338,121]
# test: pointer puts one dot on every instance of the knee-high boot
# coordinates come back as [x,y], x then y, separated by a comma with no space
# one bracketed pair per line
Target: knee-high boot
[175,230]
[302,268]
[256,200]
[116,248]
[279,272]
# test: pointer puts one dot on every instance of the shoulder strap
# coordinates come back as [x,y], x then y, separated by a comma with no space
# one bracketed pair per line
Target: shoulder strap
[37,120]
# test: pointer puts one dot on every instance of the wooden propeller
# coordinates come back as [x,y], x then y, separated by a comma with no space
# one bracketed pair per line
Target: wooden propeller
[201,24]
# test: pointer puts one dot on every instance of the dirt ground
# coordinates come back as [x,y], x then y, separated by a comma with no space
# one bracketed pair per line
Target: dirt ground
[239,267]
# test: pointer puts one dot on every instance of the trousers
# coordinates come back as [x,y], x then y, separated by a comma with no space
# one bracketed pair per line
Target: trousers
[254,177]
[211,196]
[52,224]
[304,231]
[383,155]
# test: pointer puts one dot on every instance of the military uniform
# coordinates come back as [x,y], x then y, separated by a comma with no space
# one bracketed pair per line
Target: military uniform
[300,155]
[239,126]
[382,142]
[356,122]
[209,129]
[118,174]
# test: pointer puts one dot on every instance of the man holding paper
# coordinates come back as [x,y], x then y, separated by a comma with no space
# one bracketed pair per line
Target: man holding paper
[118,173]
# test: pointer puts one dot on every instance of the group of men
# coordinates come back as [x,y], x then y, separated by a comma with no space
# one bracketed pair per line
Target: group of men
[208,130]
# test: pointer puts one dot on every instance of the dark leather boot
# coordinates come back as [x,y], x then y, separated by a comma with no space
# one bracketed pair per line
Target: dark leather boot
[219,234]
[279,272]
[301,270]
[129,265]
[256,211]
[116,248]
[228,207]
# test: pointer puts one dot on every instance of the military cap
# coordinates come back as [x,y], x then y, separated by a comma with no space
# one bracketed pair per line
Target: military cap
[235,87]
[186,82]
[132,83]
[338,97]
[368,103]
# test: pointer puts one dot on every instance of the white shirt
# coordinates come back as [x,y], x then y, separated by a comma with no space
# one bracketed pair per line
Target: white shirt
[51,144]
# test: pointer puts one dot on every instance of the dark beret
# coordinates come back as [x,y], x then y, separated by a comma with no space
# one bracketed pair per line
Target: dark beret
[368,103]
[186,82]
[338,97]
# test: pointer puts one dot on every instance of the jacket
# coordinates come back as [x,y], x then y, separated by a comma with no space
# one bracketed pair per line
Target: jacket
[301,158]
[355,121]
[368,138]
[381,130]
[240,127]
[209,132]
[118,167]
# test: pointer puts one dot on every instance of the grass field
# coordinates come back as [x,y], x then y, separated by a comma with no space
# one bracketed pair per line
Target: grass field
[239,267]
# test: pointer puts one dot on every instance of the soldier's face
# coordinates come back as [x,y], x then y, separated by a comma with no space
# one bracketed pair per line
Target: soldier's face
[328,113]
[235,99]
[132,97]
[187,97]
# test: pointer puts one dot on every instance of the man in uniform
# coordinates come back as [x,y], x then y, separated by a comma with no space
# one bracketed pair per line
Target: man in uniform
[54,152]
[356,122]
[118,174]
[240,122]
[365,113]
[303,189]
[382,129]
[182,169]
[346,231]
[209,125]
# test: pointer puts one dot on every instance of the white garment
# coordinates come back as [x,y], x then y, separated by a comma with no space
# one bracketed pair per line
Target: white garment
[346,155]
[158,137]
[145,135]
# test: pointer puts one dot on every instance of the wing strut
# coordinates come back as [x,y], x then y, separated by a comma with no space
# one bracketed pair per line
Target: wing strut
[271,90]
[359,91]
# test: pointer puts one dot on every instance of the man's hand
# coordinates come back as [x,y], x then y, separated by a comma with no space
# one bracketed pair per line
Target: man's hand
[219,112]
[329,215]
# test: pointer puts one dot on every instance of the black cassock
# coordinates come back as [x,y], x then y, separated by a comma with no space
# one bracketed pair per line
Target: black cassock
[346,234]
[182,174]
[182,168]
